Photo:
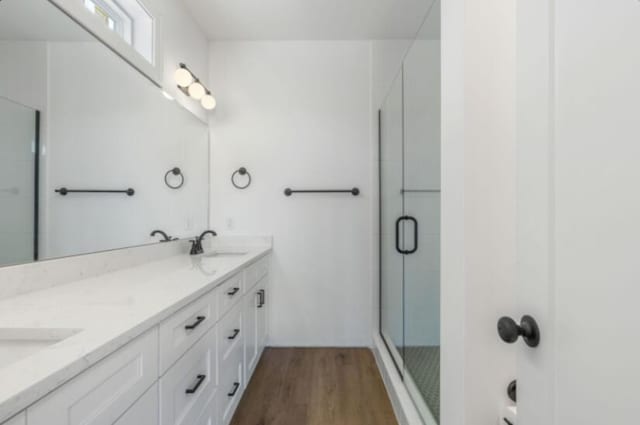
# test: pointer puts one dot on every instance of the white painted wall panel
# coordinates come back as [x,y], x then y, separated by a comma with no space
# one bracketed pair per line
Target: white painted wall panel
[297,114]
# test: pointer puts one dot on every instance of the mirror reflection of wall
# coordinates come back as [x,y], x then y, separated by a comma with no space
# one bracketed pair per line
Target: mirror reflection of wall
[104,126]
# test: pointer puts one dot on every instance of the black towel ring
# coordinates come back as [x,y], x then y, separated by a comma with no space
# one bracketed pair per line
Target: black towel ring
[176,172]
[243,172]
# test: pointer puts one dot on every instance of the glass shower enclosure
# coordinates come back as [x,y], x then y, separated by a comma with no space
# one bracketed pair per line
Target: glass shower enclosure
[409,121]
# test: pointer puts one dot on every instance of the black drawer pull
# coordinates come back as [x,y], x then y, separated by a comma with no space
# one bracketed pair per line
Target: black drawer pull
[193,390]
[235,334]
[195,324]
[233,392]
[261,298]
[232,292]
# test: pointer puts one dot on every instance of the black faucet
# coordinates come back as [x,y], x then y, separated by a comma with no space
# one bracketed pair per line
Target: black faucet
[166,238]
[196,244]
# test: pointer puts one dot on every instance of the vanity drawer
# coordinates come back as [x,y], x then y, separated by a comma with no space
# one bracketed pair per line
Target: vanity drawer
[184,328]
[100,395]
[255,272]
[230,333]
[231,386]
[229,293]
[189,384]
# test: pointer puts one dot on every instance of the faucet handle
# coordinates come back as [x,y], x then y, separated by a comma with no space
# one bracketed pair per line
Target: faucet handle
[196,247]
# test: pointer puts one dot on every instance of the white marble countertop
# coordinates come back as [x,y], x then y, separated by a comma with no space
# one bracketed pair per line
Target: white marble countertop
[108,310]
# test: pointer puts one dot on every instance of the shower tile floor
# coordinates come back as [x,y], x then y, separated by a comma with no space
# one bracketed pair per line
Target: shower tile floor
[423,363]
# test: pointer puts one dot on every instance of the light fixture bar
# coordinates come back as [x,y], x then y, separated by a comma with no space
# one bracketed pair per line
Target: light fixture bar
[189,84]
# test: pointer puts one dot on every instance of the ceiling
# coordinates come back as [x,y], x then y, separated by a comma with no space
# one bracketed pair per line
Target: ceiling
[309,19]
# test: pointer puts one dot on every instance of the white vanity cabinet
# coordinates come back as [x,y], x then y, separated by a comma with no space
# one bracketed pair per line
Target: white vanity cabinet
[190,369]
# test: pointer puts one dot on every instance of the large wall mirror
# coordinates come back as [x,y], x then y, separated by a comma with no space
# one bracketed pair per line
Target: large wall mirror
[75,116]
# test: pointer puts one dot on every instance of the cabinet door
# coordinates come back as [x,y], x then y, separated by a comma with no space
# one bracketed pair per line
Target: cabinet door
[144,412]
[100,395]
[20,419]
[251,303]
[262,318]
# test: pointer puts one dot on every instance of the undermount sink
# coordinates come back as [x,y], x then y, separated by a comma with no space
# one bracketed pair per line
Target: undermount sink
[19,343]
[215,254]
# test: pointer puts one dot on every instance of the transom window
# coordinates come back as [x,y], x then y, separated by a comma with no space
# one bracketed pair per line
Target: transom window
[130,20]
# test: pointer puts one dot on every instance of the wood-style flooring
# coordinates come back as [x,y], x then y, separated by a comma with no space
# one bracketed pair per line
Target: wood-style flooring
[315,386]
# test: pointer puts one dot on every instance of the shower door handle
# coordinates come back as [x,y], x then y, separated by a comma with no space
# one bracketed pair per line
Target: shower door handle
[415,235]
[398,248]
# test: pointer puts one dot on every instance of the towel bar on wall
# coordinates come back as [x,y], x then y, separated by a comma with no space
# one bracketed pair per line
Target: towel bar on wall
[355,191]
[64,191]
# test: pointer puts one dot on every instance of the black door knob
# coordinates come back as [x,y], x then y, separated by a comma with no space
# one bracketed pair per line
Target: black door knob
[528,329]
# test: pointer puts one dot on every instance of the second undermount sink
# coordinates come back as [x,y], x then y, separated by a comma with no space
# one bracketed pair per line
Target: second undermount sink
[19,343]
[219,254]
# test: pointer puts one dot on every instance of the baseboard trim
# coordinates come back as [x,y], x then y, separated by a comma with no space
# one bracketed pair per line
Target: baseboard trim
[403,407]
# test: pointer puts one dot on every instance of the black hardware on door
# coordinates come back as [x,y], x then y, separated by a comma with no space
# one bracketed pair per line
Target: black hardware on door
[235,334]
[195,324]
[415,235]
[261,298]
[512,391]
[509,330]
[233,291]
[233,392]
[193,390]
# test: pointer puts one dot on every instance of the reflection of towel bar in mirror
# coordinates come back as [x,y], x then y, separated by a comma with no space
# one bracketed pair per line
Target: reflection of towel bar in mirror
[64,191]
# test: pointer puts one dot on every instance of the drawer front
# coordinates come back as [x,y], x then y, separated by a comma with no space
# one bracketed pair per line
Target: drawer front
[230,333]
[144,412]
[231,386]
[256,271]
[188,385]
[20,419]
[100,395]
[180,331]
[229,293]
[210,414]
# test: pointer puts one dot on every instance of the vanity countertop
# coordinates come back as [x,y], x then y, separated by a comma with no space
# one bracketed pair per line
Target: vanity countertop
[108,311]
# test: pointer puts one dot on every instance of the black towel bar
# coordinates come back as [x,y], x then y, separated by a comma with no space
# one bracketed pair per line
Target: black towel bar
[64,191]
[355,191]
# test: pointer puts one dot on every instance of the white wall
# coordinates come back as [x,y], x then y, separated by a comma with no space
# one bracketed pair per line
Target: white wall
[297,114]
[478,211]
[23,67]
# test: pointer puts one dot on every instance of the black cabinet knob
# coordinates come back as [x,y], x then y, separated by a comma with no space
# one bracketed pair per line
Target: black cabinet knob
[528,329]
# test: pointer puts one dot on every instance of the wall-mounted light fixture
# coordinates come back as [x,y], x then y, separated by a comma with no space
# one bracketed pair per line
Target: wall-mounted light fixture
[190,85]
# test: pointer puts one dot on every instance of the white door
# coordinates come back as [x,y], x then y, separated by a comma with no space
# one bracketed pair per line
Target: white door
[578,203]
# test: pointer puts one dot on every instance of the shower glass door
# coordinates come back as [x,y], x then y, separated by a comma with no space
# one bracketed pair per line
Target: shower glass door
[410,220]
[421,76]
[391,209]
